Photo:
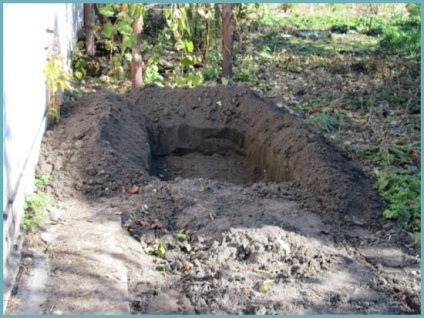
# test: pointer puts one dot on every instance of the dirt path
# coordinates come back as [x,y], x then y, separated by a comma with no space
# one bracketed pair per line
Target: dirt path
[236,208]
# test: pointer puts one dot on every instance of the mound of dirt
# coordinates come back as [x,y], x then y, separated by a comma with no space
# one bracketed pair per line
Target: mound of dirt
[223,133]
[237,206]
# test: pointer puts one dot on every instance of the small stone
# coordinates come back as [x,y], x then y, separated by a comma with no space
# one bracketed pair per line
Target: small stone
[294,269]
[78,144]
[260,310]
[186,247]
[133,189]
[57,312]
[45,168]
[197,263]
[187,265]
[91,171]
[178,264]
[46,237]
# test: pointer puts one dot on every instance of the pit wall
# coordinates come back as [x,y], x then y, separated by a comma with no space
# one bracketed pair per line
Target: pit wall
[28,30]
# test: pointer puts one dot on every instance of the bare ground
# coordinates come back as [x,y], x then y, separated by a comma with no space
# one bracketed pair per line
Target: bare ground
[210,201]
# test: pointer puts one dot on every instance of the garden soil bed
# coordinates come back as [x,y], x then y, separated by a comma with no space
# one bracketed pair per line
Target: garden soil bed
[228,205]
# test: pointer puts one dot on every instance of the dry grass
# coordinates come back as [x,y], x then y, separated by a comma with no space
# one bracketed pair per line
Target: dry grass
[345,10]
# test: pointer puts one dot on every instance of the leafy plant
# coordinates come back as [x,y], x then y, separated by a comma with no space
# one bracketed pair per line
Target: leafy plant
[58,80]
[160,250]
[35,207]
[324,121]
[398,183]
[414,9]
[400,189]
[404,35]
[181,235]
[42,180]
[152,75]
[80,68]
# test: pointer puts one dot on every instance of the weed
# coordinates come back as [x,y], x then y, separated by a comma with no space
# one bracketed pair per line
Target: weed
[152,75]
[400,189]
[132,210]
[39,182]
[80,68]
[404,35]
[35,209]
[181,235]
[48,248]
[405,41]
[58,80]
[160,250]
[324,121]
[398,183]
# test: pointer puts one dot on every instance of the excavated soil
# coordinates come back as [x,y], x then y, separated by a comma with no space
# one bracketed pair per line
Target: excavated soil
[234,206]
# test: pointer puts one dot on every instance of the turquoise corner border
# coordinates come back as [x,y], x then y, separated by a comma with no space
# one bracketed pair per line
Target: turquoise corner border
[223,1]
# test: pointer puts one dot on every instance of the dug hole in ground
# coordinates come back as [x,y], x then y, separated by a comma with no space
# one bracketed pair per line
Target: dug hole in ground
[208,201]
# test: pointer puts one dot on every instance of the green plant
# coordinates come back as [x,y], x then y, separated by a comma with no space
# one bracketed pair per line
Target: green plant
[42,180]
[400,189]
[35,208]
[132,210]
[414,9]
[183,29]
[80,68]
[48,247]
[403,35]
[324,121]
[124,15]
[396,40]
[58,80]
[152,75]
[181,235]
[398,183]
[160,250]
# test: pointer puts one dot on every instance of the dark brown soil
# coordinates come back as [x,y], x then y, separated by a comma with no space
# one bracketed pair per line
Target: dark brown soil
[256,211]
[227,134]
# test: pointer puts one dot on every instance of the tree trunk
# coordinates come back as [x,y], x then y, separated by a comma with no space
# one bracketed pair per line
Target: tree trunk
[101,17]
[217,19]
[89,28]
[137,61]
[226,41]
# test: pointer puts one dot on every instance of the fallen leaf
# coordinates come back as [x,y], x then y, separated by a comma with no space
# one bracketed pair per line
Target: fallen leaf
[133,189]
[264,286]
